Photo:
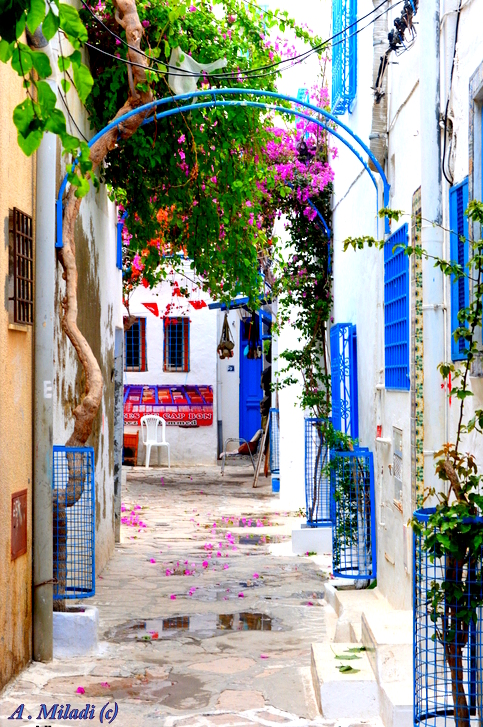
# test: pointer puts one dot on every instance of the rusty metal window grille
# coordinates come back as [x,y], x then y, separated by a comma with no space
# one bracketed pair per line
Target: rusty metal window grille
[23,268]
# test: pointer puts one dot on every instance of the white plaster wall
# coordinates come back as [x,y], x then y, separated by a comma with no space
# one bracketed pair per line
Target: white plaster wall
[100,302]
[468,58]
[196,445]
[359,290]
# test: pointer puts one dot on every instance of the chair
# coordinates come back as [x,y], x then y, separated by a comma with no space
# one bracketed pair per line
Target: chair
[236,456]
[150,425]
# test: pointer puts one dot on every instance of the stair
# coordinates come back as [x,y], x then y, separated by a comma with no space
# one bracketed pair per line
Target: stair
[339,695]
[383,687]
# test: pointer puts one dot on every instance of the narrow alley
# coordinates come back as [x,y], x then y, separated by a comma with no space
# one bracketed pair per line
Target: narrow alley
[206,617]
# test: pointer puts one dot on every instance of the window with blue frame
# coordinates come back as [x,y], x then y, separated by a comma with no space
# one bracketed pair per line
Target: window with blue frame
[176,344]
[396,311]
[135,358]
[460,288]
[344,55]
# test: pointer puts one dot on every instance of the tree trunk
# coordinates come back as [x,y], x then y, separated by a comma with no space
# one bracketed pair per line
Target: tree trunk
[85,413]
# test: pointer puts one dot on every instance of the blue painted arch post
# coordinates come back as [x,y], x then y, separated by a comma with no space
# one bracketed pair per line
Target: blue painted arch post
[328,122]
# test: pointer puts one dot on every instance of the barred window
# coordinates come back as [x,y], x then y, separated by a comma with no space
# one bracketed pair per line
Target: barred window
[21,267]
[135,358]
[176,344]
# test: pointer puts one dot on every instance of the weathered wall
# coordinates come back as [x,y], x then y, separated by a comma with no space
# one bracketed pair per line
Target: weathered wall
[16,362]
[100,301]
[196,445]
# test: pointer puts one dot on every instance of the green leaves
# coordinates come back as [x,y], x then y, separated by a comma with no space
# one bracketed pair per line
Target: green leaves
[35,14]
[50,25]
[72,25]
[83,81]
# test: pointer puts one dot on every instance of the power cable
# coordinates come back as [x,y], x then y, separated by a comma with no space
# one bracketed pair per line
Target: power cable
[297,59]
[450,181]
[234,74]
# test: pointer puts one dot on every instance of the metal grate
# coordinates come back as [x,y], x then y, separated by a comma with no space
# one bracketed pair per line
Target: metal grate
[317,478]
[353,514]
[74,522]
[135,358]
[396,311]
[23,268]
[343,368]
[176,344]
[447,651]
[460,289]
[344,56]
[274,442]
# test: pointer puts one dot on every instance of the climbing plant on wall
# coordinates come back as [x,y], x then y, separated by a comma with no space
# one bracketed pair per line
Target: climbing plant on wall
[451,533]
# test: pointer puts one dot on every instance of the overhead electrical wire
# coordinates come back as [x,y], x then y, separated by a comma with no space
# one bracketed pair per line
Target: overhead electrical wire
[450,181]
[249,74]
[252,71]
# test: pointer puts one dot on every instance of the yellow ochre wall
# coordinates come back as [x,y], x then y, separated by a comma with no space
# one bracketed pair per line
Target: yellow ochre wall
[16,377]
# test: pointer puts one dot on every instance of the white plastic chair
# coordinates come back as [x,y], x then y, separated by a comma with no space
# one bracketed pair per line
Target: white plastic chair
[150,425]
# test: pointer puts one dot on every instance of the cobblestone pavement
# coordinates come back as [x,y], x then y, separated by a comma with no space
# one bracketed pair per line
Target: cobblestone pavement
[206,618]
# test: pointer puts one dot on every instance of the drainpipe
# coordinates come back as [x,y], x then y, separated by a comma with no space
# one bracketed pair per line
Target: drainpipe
[431,237]
[43,387]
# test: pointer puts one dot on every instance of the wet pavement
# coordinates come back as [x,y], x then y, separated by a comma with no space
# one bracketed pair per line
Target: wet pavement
[205,616]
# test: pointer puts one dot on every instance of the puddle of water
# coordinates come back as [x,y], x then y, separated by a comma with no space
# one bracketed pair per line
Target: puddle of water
[198,625]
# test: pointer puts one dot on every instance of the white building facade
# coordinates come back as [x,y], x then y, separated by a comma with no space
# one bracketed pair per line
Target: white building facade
[404,311]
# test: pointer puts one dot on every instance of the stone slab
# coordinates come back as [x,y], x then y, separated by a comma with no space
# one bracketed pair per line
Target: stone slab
[388,638]
[339,695]
[312,540]
[75,632]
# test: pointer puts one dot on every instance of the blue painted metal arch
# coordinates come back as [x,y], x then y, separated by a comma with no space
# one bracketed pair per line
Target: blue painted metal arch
[213,95]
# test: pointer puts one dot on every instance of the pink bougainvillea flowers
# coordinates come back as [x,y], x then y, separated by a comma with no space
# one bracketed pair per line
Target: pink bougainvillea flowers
[80,690]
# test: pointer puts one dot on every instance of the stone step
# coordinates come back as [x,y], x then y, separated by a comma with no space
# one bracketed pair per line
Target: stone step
[349,605]
[388,638]
[312,540]
[339,695]
[396,702]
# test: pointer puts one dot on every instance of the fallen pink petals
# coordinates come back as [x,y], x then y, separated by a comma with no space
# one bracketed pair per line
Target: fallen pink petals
[80,690]
[263,656]
[255,575]
[241,595]
[205,564]
[152,560]
[173,597]
[106,685]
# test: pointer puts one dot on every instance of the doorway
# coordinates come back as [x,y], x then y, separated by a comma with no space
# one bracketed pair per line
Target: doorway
[250,390]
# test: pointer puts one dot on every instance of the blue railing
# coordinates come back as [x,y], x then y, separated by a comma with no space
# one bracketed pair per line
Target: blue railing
[353,514]
[448,638]
[73,522]
[317,478]
[275,449]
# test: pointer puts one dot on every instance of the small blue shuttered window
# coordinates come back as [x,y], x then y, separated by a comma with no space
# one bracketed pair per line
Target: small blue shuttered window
[396,311]
[460,289]
[343,373]
[344,55]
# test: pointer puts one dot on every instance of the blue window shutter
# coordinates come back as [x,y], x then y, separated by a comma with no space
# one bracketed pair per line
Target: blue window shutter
[344,388]
[344,55]
[460,289]
[120,225]
[396,311]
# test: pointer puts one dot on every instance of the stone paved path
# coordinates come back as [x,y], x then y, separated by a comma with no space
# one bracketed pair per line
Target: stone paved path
[205,616]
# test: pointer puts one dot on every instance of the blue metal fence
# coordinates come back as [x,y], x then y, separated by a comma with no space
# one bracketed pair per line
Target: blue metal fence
[343,371]
[447,649]
[73,522]
[275,449]
[353,514]
[317,478]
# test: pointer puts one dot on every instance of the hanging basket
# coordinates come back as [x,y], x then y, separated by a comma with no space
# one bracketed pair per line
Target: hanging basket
[448,679]
[226,344]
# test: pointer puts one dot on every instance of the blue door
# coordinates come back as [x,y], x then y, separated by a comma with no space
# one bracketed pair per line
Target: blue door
[250,390]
